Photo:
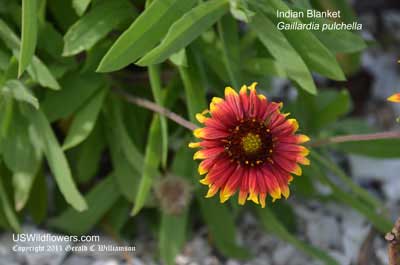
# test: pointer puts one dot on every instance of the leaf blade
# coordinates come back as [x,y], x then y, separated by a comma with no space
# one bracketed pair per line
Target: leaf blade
[75,222]
[29,34]
[95,25]
[85,121]
[185,30]
[283,52]
[144,33]
[57,160]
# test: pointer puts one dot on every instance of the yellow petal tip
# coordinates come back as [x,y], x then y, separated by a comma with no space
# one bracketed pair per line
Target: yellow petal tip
[198,133]
[194,145]
[394,98]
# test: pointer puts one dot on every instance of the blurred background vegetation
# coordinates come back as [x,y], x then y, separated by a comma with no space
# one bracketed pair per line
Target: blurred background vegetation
[76,157]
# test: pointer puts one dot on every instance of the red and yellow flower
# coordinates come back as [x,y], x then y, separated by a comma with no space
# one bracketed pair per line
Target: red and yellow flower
[394,98]
[248,145]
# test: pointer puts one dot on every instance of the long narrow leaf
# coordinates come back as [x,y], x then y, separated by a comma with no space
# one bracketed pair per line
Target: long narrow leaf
[29,33]
[155,82]
[7,206]
[228,31]
[85,121]
[144,33]
[172,236]
[36,69]
[186,29]
[316,56]
[22,155]
[283,52]
[57,160]
[95,25]
[80,6]
[151,163]
[100,199]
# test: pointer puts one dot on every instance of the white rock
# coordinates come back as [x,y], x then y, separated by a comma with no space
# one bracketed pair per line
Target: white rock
[324,232]
[105,262]
[386,170]
[181,260]
[283,255]
[76,260]
[340,257]
[261,259]
[232,262]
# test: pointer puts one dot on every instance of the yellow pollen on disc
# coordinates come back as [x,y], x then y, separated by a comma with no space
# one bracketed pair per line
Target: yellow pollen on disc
[251,143]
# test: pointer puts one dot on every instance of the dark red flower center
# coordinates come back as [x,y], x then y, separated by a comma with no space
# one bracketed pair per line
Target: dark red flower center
[250,143]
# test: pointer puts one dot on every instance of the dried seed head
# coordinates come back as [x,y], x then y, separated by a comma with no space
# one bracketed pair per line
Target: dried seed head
[174,194]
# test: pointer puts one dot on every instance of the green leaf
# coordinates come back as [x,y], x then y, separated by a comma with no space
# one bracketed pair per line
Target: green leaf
[186,29]
[283,52]
[179,58]
[42,75]
[95,25]
[4,60]
[240,10]
[80,6]
[29,34]
[155,82]
[144,33]
[36,69]
[172,236]
[84,120]
[37,203]
[20,93]
[11,72]
[6,115]
[228,31]
[51,41]
[77,89]
[94,55]
[337,40]
[194,90]
[89,153]
[126,158]
[100,199]
[151,162]
[7,207]
[220,223]
[316,56]
[330,105]
[8,36]
[210,53]
[118,215]
[56,159]
[264,66]
[273,225]
[22,156]
[62,12]
[382,148]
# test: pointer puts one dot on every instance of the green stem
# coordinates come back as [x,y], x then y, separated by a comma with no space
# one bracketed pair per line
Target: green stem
[156,87]
[363,194]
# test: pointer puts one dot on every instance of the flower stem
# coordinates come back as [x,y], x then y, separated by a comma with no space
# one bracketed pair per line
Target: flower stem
[147,104]
[356,138]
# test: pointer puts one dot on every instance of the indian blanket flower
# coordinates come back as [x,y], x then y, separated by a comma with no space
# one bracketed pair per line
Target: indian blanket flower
[394,98]
[248,145]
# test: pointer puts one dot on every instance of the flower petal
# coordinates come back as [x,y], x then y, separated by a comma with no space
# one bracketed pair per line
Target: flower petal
[394,98]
